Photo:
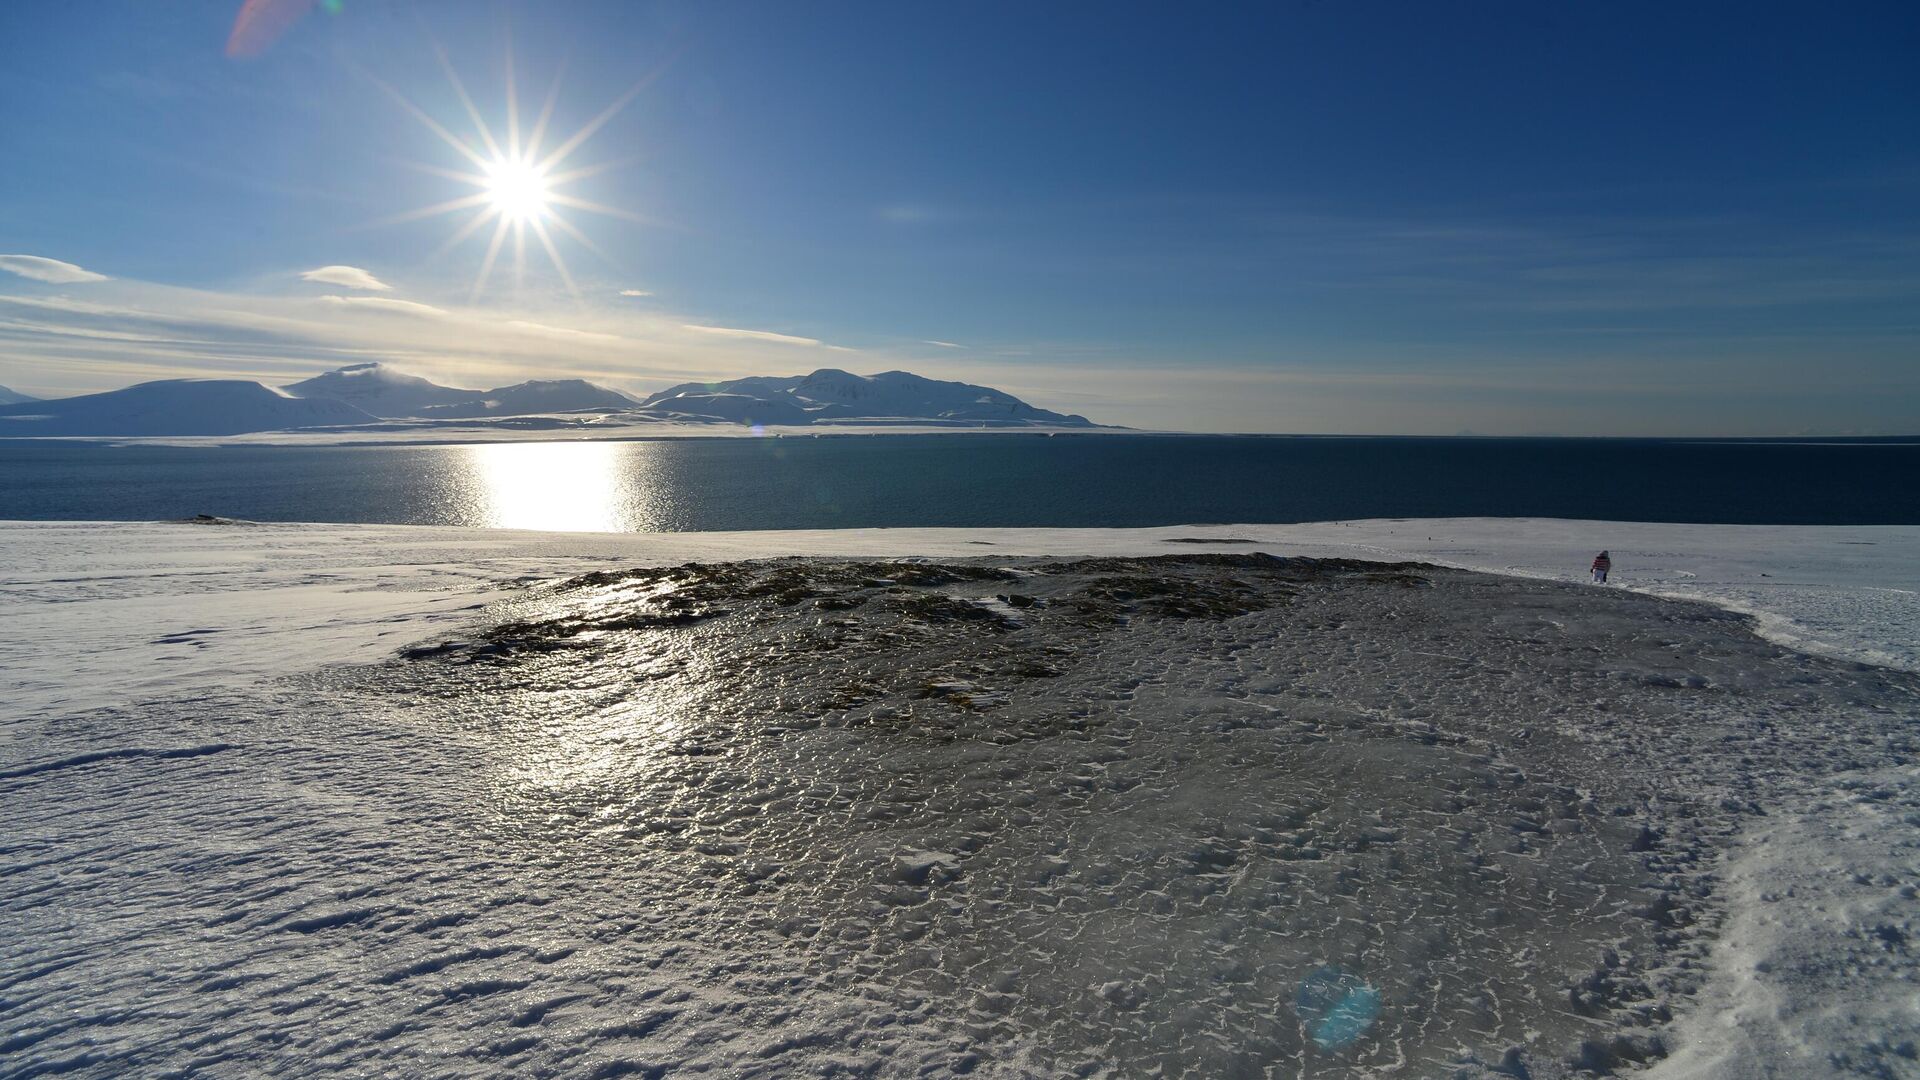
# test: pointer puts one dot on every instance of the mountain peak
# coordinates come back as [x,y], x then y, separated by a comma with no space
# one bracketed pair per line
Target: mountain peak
[379,389]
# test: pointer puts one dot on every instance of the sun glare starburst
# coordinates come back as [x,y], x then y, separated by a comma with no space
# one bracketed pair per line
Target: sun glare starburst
[519,185]
[517,189]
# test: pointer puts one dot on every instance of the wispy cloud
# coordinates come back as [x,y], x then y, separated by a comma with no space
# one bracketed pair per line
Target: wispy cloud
[132,331]
[943,344]
[347,277]
[383,303]
[635,292]
[49,270]
[65,315]
[561,331]
[751,335]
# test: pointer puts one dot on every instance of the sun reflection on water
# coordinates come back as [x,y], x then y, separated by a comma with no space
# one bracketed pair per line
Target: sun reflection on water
[565,487]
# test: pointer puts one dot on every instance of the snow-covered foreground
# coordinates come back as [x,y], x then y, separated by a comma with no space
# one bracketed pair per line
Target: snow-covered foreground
[297,799]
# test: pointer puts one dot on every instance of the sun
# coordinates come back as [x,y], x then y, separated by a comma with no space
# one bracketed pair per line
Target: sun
[520,183]
[517,189]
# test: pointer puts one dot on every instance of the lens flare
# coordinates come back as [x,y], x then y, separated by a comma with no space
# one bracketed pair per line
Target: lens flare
[1336,1007]
[260,23]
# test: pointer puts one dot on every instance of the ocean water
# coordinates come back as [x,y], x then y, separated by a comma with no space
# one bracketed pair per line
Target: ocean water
[972,480]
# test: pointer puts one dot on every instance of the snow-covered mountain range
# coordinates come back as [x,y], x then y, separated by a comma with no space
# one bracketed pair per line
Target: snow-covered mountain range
[371,398]
[831,394]
[386,392]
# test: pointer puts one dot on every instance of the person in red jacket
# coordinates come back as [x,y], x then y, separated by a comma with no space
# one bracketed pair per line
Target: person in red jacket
[1601,564]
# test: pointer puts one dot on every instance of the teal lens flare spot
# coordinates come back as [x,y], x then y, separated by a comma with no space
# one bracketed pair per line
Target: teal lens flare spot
[1336,1007]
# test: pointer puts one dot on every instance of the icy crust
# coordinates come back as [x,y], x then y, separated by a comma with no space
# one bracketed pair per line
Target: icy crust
[1208,816]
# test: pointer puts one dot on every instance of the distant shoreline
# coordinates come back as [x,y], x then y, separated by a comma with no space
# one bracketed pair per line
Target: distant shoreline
[321,437]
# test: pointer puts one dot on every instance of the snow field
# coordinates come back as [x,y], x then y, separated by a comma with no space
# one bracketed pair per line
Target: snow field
[827,817]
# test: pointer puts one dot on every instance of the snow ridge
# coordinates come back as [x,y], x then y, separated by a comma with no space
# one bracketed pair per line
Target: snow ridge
[93,756]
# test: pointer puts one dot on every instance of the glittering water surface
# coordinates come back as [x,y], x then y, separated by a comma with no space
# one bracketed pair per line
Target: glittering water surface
[966,480]
[570,487]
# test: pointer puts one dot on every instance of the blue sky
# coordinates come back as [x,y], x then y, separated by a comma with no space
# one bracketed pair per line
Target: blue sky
[1325,217]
